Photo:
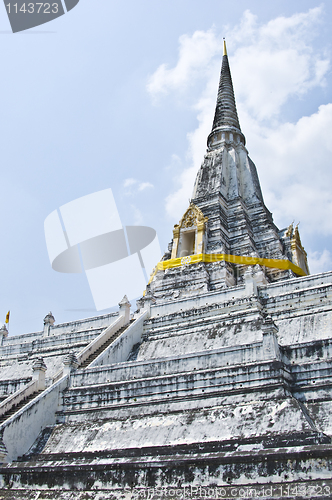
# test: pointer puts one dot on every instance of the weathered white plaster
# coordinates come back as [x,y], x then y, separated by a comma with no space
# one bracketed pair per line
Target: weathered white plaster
[122,346]
[224,378]
[22,429]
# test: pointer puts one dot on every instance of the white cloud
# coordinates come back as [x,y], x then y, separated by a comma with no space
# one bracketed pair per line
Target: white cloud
[144,185]
[271,63]
[129,182]
[177,202]
[195,55]
[275,61]
[294,165]
[320,262]
[131,185]
[174,164]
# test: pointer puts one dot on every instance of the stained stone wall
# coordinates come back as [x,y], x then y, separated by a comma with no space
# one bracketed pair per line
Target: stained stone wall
[221,383]
[17,353]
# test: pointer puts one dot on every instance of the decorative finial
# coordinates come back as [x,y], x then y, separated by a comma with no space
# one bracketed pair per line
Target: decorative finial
[49,319]
[289,231]
[225,50]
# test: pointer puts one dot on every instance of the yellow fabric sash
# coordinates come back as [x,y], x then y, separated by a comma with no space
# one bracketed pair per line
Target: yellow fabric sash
[234,259]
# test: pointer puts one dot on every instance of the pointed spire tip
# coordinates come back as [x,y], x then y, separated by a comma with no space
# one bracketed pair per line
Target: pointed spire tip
[225,116]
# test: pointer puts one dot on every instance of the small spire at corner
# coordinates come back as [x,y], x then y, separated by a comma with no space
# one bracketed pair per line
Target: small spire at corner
[225,50]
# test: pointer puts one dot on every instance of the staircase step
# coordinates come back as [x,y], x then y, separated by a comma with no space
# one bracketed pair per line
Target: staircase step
[16,408]
[106,344]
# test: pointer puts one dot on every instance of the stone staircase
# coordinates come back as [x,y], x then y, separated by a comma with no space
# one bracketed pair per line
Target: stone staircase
[170,418]
[102,348]
[183,402]
[16,408]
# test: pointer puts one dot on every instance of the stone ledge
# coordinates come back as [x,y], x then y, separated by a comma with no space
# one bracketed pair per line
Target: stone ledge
[219,469]
[303,441]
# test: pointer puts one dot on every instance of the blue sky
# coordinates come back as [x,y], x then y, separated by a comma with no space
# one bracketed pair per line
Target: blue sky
[121,95]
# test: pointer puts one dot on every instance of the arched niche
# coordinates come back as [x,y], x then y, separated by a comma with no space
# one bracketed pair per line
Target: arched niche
[189,234]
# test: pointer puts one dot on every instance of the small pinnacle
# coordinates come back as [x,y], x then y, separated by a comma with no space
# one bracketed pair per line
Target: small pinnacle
[225,50]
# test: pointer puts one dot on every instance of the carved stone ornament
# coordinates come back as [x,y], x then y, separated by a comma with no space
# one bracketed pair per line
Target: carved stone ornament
[49,319]
[192,217]
[190,220]
[289,232]
[296,237]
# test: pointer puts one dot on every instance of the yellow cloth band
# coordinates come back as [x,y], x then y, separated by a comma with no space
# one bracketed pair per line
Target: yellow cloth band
[234,259]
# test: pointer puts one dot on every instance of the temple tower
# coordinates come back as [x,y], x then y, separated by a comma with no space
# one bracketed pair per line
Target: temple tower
[227,216]
[218,386]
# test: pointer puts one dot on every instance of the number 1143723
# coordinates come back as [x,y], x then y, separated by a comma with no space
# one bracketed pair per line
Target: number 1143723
[33,8]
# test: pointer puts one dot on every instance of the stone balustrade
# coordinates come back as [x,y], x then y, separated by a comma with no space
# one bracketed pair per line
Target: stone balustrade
[35,416]
[122,346]
[19,396]
[100,340]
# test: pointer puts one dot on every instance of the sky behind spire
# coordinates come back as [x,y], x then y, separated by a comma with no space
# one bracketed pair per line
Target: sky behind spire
[122,96]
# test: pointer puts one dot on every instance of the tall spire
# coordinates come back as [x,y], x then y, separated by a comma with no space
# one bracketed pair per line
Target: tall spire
[227,215]
[225,117]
